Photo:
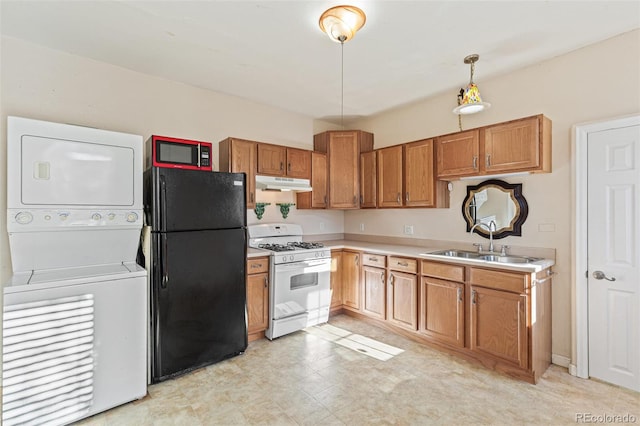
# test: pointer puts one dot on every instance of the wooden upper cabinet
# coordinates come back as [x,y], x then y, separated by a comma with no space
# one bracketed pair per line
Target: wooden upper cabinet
[343,150]
[514,146]
[368,180]
[276,160]
[390,177]
[316,199]
[458,154]
[298,163]
[419,174]
[240,156]
[271,159]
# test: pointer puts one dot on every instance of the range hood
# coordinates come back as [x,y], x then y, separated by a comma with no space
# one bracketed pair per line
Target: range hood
[273,183]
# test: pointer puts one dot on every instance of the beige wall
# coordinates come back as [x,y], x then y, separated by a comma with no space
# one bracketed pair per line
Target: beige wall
[41,83]
[593,83]
[596,82]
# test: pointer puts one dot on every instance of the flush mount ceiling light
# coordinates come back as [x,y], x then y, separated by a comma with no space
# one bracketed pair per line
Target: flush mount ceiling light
[342,22]
[469,100]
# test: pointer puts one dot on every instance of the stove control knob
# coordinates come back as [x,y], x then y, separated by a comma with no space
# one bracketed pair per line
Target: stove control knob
[132,217]
[284,258]
[291,258]
[111,216]
[24,217]
[317,254]
[96,216]
[63,216]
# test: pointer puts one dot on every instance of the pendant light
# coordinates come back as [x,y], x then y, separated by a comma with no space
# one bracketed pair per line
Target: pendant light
[341,23]
[469,100]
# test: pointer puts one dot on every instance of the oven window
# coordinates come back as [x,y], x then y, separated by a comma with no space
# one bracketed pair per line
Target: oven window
[303,280]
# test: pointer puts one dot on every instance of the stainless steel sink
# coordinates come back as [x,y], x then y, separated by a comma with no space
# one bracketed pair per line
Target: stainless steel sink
[457,253]
[484,257]
[508,259]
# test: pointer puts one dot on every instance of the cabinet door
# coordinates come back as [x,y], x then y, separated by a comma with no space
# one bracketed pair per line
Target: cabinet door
[336,279]
[442,310]
[402,303]
[344,156]
[316,199]
[298,163]
[498,325]
[390,177]
[373,291]
[239,156]
[419,174]
[351,279]
[271,159]
[257,302]
[512,146]
[368,178]
[458,153]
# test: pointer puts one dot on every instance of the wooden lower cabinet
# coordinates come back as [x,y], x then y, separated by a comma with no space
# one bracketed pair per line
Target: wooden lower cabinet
[351,279]
[402,300]
[499,325]
[373,291]
[257,297]
[442,310]
[336,279]
[496,317]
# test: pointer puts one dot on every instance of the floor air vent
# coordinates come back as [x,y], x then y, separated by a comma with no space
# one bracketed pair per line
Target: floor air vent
[47,361]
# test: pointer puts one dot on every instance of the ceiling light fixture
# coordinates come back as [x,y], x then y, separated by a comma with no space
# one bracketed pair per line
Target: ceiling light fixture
[469,100]
[341,23]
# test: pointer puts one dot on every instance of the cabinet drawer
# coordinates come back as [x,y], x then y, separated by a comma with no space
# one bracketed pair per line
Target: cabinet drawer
[443,270]
[369,259]
[257,265]
[403,264]
[499,280]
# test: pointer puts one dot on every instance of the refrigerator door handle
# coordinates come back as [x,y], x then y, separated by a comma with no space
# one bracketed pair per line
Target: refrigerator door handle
[164,267]
[163,203]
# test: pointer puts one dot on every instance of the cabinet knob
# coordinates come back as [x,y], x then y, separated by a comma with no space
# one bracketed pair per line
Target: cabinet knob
[251,196]
[281,165]
[382,277]
[355,200]
[488,160]
[407,196]
[398,198]
[361,199]
[473,297]
[459,294]
[475,162]
[391,279]
[289,166]
[325,200]
[266,282]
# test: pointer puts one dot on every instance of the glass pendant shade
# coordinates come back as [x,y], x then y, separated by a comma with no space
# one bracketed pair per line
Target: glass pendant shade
[471,101]
[341,23]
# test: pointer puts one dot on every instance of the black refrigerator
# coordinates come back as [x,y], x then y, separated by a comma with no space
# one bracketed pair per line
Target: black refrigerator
[198,254]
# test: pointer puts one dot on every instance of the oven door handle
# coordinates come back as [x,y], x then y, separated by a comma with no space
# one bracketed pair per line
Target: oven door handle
[304,264]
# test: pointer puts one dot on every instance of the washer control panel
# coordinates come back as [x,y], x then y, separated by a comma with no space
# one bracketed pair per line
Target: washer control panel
[32,219]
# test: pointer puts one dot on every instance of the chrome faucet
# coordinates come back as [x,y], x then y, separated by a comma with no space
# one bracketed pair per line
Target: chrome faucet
[491,227]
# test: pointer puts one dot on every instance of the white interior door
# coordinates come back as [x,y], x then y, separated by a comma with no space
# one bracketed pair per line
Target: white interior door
[613,216]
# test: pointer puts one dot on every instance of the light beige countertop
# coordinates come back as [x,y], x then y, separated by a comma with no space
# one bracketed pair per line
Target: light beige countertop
[419,252]
[423,253]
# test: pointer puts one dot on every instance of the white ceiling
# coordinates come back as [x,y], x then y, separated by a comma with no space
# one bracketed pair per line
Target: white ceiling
[274,53]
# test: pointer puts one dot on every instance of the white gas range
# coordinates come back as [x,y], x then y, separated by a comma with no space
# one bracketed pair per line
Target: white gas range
[300,292]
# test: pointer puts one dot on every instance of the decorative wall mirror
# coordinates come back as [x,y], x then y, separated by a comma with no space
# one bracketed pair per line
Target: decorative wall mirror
[497,201]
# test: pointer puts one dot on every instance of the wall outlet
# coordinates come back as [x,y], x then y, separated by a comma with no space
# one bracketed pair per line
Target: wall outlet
[362,227]
[408,229]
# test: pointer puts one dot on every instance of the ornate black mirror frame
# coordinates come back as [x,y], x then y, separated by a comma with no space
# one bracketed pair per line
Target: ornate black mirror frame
[515,193]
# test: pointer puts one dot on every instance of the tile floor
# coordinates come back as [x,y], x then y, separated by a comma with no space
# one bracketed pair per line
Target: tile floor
[305,379]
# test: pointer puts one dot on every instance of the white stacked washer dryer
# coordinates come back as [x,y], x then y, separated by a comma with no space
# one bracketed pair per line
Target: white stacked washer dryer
[75,309]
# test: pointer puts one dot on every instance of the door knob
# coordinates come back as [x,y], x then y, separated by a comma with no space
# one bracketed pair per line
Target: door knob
[599,275]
